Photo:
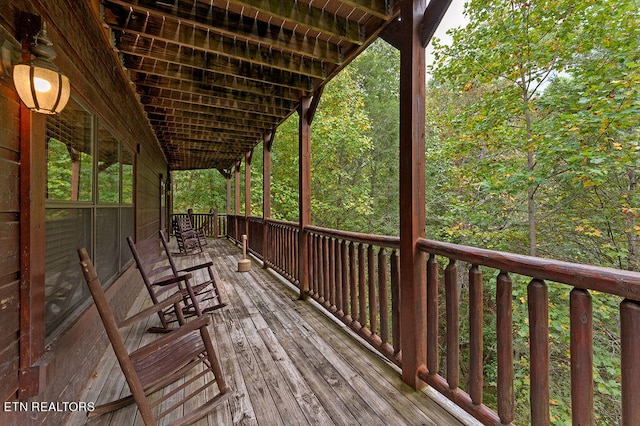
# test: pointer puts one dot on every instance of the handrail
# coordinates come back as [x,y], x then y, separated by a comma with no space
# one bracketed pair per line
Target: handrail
[607,280]
[357,237]
[282,222]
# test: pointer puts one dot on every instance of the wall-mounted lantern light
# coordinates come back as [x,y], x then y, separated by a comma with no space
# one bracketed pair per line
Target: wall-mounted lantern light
[41,86]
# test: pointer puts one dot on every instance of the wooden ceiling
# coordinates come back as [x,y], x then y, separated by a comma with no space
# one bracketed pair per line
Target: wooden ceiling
[216,76]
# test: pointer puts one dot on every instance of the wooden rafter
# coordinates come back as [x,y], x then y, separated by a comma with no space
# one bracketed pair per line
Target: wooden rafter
[215,76]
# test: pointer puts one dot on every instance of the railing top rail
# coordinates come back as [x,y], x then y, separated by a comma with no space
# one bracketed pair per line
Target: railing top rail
[607,280]
[379,240]
[283,222]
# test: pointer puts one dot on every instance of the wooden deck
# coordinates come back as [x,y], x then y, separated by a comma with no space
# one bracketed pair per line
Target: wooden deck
[287,363]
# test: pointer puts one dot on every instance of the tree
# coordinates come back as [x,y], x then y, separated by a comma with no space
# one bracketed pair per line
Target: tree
[377,71]
[200,190]
[339,157]
[504,58]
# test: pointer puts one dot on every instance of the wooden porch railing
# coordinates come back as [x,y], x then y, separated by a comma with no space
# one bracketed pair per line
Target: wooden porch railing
[206,220]
[282,249]
[356,277]
[581,279]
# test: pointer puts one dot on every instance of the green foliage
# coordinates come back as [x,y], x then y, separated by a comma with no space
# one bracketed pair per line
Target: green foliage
[378,73]
[60,168]
[200,190]
[339,155]
[532,136]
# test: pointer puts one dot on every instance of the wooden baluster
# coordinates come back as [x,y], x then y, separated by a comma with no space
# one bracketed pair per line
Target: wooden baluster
[362,298]
[338,275]
[325,272]
[289,255]
[295,266]
[284,262]
[294,259]
[352,282]
[504,326]
[313,263]
[452,298]
[475,335]
[384,295]
[373,303]
[332,274]
[283,248]
[344,260]
[320,283]
[395,301]
[630,348]
[581,349]
[432,315]
[275,246]
[538,300]
[284,251]
[278,246]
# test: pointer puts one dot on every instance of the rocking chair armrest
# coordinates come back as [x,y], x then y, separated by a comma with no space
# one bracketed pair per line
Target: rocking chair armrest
[171,337]
[196,267]
[173,280]
[173,300]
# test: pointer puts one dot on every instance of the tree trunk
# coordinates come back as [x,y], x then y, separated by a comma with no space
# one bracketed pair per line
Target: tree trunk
[531,162]
[633,261]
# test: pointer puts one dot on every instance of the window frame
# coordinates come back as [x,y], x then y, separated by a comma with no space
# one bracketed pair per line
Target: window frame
[122,262]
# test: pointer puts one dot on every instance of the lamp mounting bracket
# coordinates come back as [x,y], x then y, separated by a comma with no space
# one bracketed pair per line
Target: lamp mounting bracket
[29,26]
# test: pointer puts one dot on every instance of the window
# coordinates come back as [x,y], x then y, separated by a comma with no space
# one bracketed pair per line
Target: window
[89,195]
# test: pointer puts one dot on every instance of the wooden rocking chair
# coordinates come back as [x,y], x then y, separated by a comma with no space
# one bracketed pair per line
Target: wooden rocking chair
[188,238]
[160,276]
[202,279]
[201,232]
[179,358]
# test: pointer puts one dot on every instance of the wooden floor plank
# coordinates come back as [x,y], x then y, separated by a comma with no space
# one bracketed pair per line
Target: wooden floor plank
[278,318]
[286,362]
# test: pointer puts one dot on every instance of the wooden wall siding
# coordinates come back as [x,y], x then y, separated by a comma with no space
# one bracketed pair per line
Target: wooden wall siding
[100,84]
[9,240]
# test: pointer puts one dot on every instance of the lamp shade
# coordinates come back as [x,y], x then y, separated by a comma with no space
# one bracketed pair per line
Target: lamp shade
[41,86]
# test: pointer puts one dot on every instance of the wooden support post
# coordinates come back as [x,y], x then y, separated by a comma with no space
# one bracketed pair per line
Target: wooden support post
[266,195]
[247,191]
[32,252]
[236,204]
[304,193]
[227,209]
[412,197]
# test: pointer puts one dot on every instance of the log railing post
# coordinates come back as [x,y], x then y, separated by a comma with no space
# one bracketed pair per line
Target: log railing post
[504,328]
[581,349]
[538,300]
[630,348]
[476,358]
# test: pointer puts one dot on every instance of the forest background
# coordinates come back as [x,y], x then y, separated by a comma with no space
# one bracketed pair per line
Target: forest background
[532,147]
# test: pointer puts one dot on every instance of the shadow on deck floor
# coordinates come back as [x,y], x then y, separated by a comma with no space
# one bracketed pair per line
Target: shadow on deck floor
[287,363]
